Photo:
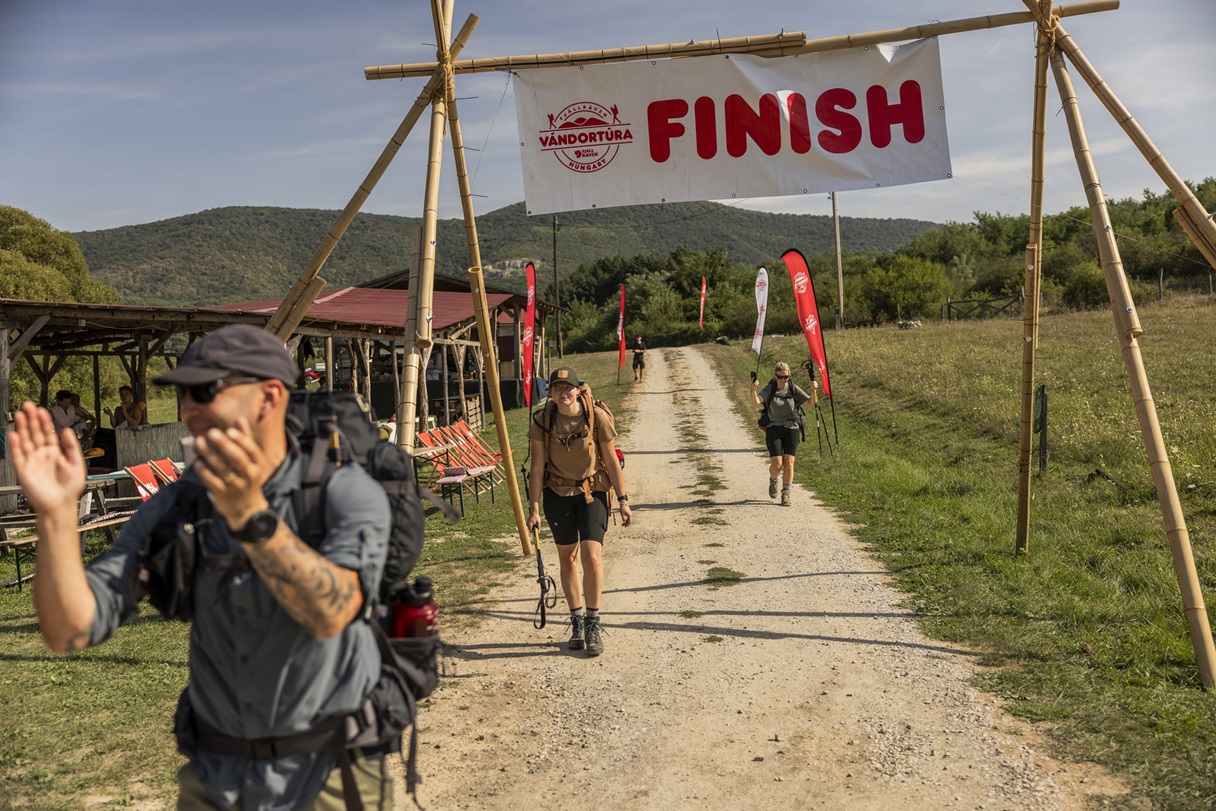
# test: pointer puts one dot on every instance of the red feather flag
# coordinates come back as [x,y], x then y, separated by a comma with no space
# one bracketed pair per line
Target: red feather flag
[808,314]
[701,319]
[528,341]
[620,332]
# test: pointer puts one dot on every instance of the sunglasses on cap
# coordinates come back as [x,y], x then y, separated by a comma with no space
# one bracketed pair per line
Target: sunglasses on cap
[204,393]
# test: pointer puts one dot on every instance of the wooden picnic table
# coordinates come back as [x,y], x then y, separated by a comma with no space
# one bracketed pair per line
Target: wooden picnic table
[101,515]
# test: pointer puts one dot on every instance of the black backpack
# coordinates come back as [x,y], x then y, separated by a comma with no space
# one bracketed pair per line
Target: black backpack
[764,421]
[330,429]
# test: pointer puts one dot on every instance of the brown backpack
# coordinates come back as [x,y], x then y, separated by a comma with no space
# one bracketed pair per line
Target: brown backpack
[595,472]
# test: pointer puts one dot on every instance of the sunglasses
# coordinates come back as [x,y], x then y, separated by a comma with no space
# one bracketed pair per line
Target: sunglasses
[204,393]
[783,377]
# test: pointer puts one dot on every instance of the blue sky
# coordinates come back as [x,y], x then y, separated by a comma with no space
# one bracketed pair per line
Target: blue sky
[129,111]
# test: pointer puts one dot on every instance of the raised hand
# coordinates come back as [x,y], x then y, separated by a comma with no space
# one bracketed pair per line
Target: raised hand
[50,467]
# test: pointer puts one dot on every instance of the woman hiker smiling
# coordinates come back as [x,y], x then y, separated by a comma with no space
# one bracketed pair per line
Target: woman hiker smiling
[574,467]
[781,398]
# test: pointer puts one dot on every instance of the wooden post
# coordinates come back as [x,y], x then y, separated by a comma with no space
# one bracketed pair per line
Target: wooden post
[414,363]
[329,363]
[1030,303]
[1128,329]
[480,306]
[6,377]
[839,267]
[447,391]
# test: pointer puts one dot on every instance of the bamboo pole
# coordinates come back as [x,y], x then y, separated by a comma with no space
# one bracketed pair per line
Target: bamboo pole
[1194,218]
[1030,302]
[414,364]
[485,64]
[769,45]
[485,326]
[1128,329]
[295,299]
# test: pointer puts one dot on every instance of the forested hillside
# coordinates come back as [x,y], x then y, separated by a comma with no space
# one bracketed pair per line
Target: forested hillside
[239,253]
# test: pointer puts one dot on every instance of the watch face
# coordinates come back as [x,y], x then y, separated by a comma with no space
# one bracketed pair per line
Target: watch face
[260,527]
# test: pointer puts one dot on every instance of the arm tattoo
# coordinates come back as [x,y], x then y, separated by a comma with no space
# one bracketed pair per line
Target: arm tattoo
[314,591]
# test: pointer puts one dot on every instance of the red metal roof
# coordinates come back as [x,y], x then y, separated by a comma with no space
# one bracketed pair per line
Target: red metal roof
[361,305]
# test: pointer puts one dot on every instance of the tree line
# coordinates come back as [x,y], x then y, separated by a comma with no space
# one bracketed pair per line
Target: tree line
[980,259]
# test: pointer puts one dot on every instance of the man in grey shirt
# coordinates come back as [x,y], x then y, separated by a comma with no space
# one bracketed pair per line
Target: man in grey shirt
[277,646]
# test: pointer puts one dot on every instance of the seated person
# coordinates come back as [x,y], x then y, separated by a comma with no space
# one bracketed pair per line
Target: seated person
[129,413]
[86,424]
[67,415]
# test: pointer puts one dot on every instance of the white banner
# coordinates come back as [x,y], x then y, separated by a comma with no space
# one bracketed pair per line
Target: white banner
[731,127]
[761,309]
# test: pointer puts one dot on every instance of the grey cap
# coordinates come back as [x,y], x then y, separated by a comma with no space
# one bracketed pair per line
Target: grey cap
[241,349]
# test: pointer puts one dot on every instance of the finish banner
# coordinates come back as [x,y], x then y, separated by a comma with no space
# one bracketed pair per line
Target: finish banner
[808,315]
[731,127]
[528,340]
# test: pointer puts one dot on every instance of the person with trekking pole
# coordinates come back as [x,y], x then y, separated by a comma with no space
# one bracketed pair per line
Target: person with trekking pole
[781,399]
[574,471]
[282,657]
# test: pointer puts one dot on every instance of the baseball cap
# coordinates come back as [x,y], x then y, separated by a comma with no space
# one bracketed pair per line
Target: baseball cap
[238,348]
[564,374]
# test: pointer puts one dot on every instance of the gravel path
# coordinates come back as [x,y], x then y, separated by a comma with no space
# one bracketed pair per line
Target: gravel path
[804,685]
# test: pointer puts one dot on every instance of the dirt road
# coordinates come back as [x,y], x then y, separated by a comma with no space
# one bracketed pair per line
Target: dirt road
[805,685]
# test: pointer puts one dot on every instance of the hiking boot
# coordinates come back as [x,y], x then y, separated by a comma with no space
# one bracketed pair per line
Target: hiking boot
[595,645]
[576,632]
[772,488]
[785,497]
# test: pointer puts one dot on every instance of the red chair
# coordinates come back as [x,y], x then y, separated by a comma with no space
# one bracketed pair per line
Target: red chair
[146,483]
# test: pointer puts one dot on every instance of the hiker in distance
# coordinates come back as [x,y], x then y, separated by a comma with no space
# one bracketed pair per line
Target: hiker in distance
[781,398]
[574,468]
[276,650]
[639,359]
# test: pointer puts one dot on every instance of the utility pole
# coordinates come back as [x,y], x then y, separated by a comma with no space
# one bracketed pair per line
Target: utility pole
[557,296]
[839,270]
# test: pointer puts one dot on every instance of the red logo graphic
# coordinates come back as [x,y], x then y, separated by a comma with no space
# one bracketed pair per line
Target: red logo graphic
[800,282]
[810,324]
[585,136]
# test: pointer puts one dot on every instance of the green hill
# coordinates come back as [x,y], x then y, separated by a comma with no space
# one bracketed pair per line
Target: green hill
[240,253]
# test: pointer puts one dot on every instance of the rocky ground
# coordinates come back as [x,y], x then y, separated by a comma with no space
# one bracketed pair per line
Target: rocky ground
[803,685]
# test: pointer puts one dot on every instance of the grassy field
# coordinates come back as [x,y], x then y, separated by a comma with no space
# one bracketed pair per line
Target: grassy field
[1086,633]
[92,729]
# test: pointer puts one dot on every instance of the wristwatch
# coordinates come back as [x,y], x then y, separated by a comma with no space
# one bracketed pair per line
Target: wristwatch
[621,499]
[260,527]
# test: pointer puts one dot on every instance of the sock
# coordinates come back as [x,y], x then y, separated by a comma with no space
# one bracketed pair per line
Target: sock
[593,613]
[773,479]
[578,612]
[785,487]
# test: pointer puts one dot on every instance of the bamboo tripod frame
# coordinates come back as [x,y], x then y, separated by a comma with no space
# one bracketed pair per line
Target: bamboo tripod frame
[439,93]
[1050,45]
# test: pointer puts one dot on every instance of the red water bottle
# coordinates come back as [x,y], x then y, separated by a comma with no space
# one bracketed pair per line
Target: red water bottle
[417,613]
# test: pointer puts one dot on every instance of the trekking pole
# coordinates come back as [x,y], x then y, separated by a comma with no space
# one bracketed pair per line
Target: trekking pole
[818,433]
[546,585]
[818,415]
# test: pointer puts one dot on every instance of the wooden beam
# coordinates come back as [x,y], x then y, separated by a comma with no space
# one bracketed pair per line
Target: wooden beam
[23,340]
[796,44]
[707,47]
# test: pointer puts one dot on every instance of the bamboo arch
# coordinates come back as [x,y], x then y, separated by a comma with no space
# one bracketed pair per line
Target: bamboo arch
[1053,43]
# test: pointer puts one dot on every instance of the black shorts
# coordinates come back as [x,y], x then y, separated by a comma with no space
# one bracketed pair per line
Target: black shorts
[571,519]
[781,441]
[639,362]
